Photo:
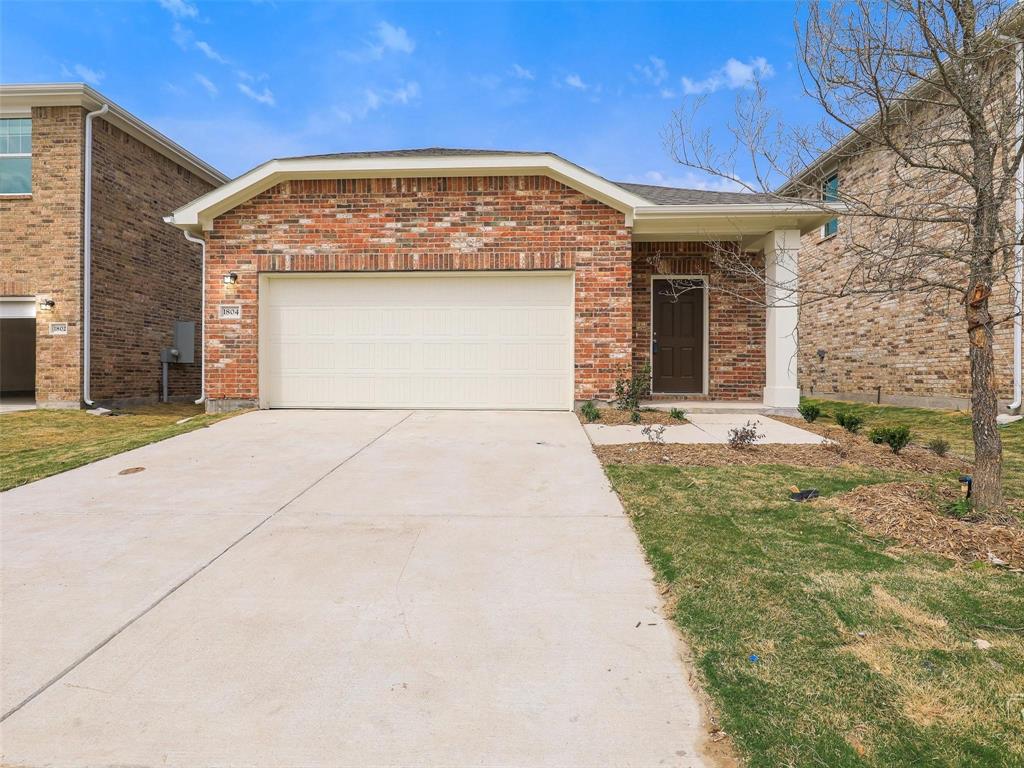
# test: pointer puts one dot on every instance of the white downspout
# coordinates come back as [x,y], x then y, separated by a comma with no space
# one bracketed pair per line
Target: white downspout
[202,315]
[87,259]
[1018,272]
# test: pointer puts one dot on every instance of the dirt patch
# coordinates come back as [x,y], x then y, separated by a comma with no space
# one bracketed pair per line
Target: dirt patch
[614,417]
[912,514]
[844,451]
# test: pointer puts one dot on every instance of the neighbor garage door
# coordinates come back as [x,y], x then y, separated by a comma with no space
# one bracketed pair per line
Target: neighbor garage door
[486,340]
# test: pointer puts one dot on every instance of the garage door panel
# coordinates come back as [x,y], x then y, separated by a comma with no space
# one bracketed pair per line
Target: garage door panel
[410,341]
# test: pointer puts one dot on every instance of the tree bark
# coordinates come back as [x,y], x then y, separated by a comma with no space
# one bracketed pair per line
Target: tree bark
[987,490]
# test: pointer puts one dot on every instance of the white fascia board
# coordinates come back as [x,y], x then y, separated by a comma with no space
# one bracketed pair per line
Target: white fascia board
[729,220]
[200,213]
[18,99]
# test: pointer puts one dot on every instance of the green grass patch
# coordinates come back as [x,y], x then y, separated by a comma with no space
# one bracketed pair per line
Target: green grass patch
[40,443]
[864,658]
[926,424]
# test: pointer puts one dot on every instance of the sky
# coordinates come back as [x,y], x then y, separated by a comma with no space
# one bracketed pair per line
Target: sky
[241,82]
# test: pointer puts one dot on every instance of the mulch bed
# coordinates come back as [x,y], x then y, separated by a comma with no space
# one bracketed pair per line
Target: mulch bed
[614,417]
[844,451]
[913,515]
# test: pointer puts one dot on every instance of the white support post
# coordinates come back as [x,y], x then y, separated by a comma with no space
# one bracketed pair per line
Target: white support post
[781,253]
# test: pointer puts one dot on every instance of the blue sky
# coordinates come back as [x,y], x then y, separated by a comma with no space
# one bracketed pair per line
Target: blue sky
[241,82]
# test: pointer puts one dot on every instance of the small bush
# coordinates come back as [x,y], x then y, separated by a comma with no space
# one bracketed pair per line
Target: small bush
[849,421]
[747,435]
[634,416]
[629,392]
[655,433]
[897,437]
[809,411]
[678,414]
[938,446]
[590,412]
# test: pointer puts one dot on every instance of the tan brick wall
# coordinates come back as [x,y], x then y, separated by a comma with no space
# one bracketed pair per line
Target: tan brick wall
[145,274]
[907,349]
[41,248]
[736,316]
[493,223]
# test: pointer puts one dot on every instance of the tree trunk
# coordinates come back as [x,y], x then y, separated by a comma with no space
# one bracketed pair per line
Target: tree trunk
[987,491]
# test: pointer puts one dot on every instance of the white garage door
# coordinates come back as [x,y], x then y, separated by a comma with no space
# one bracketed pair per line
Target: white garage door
[487,340]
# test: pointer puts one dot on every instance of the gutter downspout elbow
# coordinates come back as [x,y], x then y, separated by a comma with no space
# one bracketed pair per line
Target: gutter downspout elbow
[202,315]
[87,258]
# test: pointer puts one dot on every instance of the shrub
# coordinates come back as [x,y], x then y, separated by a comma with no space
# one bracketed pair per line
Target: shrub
[655,433]
[634,416]
[938,446]
[849,421]
[747,435]
[589,411]
[809,411]
[629,392]
[897,437]
[678,414]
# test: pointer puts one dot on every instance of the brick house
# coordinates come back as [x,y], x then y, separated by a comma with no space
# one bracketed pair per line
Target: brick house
[144,275]
[484,279]
[906,348]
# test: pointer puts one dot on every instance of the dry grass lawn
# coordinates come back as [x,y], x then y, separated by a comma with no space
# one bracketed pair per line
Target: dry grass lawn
[40,443]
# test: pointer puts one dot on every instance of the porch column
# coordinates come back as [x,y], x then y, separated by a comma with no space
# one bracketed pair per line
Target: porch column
[781,250]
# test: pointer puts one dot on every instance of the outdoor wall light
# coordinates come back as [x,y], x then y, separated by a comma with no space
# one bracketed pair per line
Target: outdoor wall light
[47,303]
[230,278]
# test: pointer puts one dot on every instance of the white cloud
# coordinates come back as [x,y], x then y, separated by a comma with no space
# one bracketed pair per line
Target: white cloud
[387,39]
[693,180]
[521,73]
[209,52]
[394,38]
[575,81]
[263,97]
[181,36]
[654,71]
[208,84]
[374,99]
[181,9]
[84,73]
[733,74]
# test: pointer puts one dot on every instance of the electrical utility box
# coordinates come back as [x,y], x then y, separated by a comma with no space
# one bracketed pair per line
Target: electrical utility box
[185,341]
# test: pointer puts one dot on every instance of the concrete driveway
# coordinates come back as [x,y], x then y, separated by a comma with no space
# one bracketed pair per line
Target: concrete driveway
[304,588]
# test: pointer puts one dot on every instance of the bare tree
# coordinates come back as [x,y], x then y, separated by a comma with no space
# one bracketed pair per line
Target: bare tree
[927,89]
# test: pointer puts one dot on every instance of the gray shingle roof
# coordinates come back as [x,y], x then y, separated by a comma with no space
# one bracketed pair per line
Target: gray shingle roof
[426,151]
[680,196]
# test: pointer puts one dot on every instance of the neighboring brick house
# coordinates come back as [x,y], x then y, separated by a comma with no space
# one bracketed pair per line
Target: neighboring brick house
[903,348]
[145,275]
[484,279]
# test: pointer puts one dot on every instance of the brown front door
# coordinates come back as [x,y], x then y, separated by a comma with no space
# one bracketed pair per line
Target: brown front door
[678,336]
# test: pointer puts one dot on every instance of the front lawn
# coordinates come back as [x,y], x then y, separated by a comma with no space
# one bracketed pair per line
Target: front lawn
[952,426]
[37,444]
[822,646]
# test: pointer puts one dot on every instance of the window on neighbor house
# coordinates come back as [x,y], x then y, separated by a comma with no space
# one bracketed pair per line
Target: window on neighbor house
[15,156]
[830,193]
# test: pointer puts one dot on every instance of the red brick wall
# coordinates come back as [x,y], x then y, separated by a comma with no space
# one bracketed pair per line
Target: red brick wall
[736,322]
[41,248]
[145,274]
[492,223]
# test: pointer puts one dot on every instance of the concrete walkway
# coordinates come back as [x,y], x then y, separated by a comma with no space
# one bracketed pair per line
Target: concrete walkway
[302,588]
[704,428]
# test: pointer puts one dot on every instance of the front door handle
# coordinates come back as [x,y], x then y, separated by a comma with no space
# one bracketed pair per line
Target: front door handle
[655,346]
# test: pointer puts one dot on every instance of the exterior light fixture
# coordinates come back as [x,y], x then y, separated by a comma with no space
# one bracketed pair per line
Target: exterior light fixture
[230,278]
[47,304]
